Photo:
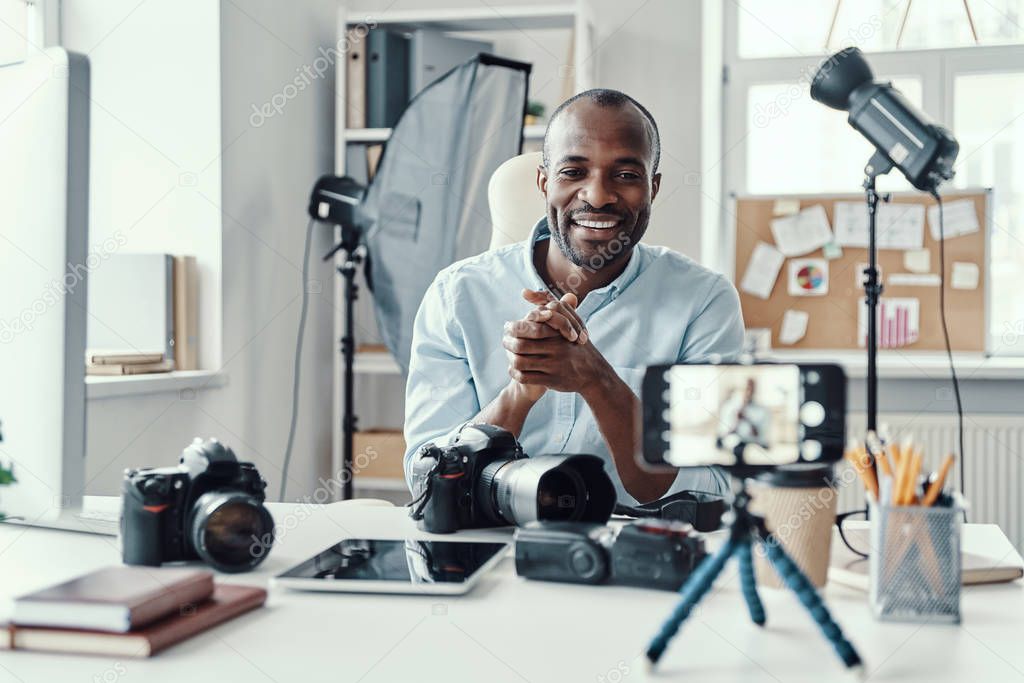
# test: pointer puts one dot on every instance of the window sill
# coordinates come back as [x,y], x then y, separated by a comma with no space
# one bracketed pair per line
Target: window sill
[911,365]
[97,387]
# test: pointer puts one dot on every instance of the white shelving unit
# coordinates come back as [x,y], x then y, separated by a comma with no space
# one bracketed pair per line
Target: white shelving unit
[569,16]
[364,135]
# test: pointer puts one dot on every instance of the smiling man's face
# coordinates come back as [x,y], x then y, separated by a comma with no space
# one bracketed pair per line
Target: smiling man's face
[599,182]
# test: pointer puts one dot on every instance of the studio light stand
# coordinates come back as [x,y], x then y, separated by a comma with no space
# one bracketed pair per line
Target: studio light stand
[878,165]
[354,253]
[336,201]
[745,530]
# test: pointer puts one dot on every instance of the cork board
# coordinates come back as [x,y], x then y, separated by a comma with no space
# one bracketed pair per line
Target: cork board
[833,316]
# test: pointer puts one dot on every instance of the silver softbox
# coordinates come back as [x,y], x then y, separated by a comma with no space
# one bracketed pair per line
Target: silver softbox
[427,205]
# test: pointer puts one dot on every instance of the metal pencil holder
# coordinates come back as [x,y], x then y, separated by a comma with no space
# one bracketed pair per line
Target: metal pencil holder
[915,563]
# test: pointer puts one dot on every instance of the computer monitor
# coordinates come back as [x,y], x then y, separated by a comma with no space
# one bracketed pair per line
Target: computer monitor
[44,190]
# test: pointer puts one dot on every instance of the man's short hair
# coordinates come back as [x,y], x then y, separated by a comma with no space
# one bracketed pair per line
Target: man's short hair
[606,97]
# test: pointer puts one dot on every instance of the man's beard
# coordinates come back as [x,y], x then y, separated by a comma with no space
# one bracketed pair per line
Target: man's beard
[614,250]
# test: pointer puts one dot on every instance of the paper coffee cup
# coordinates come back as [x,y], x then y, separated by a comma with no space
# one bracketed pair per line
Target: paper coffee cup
[798,503]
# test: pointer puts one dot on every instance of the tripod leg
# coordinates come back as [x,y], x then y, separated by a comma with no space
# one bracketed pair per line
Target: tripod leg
[690,594]
[801,585]
[749,584]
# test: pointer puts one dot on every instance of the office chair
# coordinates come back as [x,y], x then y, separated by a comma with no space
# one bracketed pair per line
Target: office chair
[514,200]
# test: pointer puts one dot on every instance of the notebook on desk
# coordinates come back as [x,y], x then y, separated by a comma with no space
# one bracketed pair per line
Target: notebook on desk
[849,569]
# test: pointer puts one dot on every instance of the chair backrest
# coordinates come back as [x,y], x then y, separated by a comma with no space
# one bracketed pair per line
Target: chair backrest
[515,202]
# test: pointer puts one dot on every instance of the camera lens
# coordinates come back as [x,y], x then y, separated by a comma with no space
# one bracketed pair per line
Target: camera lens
[558,494]
[231,532]
[547,487]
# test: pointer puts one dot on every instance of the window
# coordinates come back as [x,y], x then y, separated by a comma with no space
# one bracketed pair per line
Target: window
[793,145]
[988,118]
[778,140]
[794,28]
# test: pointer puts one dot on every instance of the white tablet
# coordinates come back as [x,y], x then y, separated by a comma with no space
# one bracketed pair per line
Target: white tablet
[362,565]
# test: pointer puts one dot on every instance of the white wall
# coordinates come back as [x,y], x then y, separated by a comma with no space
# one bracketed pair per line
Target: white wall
[211,62]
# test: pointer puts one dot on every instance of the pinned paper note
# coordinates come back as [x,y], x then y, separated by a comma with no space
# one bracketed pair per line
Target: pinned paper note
[897,226]
[913,280]
[917,260]
[832,251]
[808,277]
[803,232]
[785,207]
[898,322]
[960,219]
[757,340]
[794,326]
[965,275]
[762,270]
[850,222]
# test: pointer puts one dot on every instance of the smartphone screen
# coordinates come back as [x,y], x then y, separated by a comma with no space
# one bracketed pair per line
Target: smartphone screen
[717,413]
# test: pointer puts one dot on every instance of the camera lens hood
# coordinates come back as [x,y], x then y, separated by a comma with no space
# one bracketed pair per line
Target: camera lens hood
[553,487]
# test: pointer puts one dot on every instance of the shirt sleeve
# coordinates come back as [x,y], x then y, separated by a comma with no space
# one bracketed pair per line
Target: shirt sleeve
[440,394]
[717,331]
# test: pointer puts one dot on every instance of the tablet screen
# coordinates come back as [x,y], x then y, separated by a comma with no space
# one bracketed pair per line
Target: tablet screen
[408,561]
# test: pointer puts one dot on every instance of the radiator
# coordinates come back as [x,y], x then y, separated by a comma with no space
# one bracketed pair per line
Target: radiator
[994,450]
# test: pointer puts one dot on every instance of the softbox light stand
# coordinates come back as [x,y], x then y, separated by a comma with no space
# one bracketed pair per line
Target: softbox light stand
[354,252]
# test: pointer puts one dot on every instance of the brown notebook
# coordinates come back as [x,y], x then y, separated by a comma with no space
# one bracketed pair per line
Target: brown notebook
[119,598]
[106,369]
[122,357]
[227,602]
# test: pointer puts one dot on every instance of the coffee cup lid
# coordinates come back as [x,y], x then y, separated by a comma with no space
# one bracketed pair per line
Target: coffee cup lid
[798,475]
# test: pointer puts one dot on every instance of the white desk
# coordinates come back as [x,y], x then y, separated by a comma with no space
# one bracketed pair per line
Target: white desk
[510,629]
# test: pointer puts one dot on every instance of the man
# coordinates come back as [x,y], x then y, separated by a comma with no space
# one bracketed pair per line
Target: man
[562,366]
[744,420]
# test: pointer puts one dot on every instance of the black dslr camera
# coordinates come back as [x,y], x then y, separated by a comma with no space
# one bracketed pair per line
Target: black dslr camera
[484,479]
[208,507]
[649,554]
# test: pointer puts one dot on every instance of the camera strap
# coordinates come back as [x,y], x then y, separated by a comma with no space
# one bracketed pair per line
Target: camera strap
[419,503]
[700,509]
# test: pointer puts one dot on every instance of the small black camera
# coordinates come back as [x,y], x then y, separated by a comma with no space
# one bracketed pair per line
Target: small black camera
[484,479]
[650,554]
[208,507]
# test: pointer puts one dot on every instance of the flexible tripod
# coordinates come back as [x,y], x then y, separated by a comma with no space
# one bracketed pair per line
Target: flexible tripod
[745,529]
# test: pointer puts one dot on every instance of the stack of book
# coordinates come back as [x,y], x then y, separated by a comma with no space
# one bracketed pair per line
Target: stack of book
[124,611]
[126,363]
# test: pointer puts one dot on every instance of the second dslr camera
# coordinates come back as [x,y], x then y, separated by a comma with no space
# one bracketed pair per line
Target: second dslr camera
[208,507]
[484,479]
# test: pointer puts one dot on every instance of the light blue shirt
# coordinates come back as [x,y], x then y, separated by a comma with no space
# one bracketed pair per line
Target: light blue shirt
[663,308]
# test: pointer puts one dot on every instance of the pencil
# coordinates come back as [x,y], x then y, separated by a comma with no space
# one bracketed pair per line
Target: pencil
[911,482]
[932,494]
[869,472]
[883,463]
[902,466]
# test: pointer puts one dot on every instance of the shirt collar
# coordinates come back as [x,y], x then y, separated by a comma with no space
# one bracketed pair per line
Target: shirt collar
[541,231]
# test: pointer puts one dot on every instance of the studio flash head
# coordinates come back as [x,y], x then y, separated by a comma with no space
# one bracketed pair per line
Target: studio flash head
[923,151]
[336,200]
